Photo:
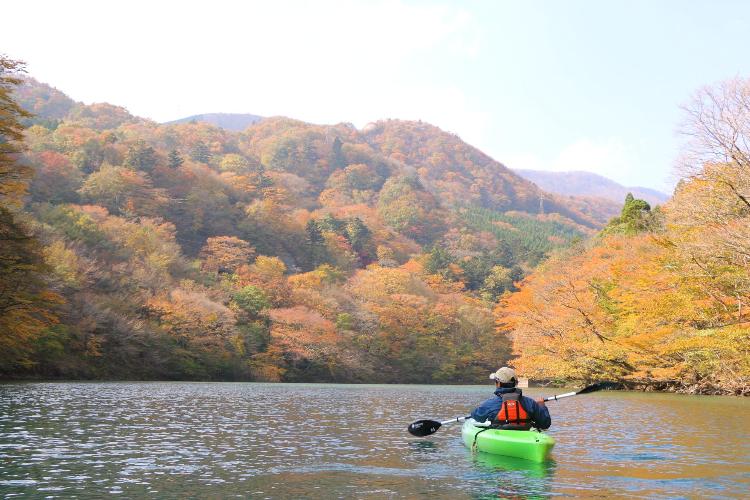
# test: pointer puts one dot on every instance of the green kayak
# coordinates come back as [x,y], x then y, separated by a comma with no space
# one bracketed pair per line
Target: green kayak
[529,445]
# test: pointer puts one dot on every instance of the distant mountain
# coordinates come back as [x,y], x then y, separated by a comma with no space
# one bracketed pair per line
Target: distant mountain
[229,121]
[579,183]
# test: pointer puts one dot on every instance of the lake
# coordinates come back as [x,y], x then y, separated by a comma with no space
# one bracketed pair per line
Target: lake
[216,440]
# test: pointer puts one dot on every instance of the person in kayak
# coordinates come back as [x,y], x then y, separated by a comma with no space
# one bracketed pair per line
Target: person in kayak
[510,409]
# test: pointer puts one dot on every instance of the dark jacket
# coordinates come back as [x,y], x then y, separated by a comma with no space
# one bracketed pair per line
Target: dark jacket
[488,409]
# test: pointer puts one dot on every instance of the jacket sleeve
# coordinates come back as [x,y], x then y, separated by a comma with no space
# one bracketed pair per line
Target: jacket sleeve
[539,413]
[487,410]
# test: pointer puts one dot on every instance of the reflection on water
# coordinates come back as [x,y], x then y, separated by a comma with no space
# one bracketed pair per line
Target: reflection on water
[424,447]
[171,440]
[524,468]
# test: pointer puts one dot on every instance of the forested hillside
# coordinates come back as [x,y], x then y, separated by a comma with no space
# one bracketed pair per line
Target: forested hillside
[661,298]
[287,251]
[396,253]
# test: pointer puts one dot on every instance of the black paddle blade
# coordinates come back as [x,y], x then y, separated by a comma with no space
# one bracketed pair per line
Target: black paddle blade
[422,428]
[590,388]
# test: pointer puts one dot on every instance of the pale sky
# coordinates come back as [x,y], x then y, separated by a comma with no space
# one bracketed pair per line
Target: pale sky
[552,85]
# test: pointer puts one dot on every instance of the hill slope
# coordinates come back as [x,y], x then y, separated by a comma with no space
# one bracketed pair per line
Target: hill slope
[460,174]
[287,251]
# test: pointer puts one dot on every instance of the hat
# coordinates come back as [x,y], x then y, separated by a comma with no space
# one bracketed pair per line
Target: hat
[503,375]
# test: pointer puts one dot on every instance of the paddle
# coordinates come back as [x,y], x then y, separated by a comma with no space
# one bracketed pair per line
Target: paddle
[585,390]
[422,428]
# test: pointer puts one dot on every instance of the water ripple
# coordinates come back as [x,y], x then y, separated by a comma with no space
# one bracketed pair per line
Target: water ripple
[338,441]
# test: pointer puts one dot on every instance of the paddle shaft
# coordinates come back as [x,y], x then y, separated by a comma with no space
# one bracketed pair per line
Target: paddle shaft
[560,396]
[585,390]
[457,419]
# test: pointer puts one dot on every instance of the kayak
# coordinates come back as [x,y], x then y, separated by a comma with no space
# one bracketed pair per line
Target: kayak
[530,445]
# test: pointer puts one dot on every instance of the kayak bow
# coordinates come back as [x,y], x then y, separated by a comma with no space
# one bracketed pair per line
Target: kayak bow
[530,445]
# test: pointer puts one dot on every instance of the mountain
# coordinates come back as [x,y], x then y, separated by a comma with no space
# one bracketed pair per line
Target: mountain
[229,121]
[461,174]
[579,183]
[285,251]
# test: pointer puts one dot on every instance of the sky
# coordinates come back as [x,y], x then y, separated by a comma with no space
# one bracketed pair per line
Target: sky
[549,85]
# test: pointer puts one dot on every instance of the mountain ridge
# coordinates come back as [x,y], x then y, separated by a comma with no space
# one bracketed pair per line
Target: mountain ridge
[236,122]
[584,183]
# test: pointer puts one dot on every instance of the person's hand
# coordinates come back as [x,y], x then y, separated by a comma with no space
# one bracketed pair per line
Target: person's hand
[540,401]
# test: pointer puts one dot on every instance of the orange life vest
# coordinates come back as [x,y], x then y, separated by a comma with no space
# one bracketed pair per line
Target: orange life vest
[512,416]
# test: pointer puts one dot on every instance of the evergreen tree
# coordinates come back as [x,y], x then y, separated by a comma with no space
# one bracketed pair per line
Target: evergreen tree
[331,224]
[315,243]
[174,159]
[338,157]
[141,157]
[360,238]
[438,261]
[201,153]
[636,216]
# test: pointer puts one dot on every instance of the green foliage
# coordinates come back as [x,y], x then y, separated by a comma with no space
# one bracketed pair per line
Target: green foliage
[356,234]
[636,217]
[72,223]
[141,156]
[251,299]
[437,261]
[406,207]
[344,321]
[174,160]
[529,238]
[499,280]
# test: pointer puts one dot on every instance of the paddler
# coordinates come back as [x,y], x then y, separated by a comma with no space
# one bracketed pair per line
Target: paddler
[510,409]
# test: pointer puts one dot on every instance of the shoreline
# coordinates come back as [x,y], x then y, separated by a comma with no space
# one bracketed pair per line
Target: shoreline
[672,387]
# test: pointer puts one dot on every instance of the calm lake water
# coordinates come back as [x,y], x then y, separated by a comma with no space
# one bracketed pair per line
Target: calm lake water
[215,440]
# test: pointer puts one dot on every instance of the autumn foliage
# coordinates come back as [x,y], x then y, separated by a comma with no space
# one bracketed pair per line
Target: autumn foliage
[660,299]
[288,251]
[299,252]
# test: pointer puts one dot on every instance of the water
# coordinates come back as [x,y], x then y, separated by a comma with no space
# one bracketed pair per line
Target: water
[216,440]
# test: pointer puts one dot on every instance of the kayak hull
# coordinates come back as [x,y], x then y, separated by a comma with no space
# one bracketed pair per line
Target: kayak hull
[529,445]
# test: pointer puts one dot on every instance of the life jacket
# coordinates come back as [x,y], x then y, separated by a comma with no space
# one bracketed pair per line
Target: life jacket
[512,415]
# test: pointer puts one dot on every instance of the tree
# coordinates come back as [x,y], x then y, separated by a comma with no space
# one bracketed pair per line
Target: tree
[439,261]
[251,300]
[174,159]
[338,157]
[25,302]
[234,163]
[14,176]
[57,179]
[360,238]
[636,216]
[141,156]
[497,281]
[225,254]
[409,209]
[267,273]
[122,190]
[315,243]
[710,212]
[200,152]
